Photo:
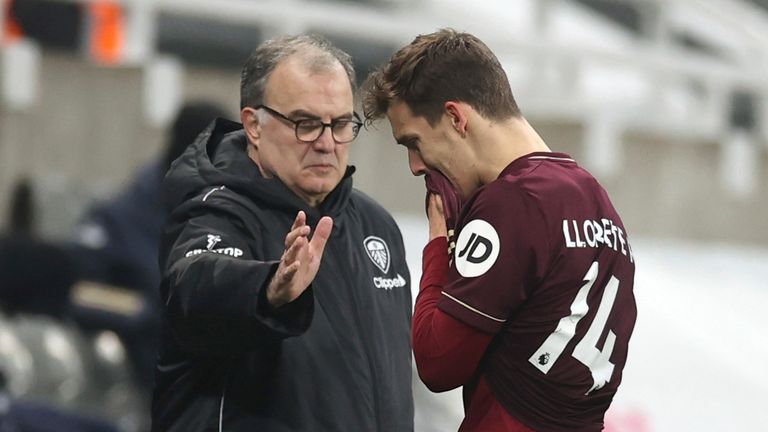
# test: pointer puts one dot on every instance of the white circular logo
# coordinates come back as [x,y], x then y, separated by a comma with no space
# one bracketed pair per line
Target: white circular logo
[476,249]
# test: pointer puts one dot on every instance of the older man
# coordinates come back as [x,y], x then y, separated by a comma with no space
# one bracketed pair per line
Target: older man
[270,331]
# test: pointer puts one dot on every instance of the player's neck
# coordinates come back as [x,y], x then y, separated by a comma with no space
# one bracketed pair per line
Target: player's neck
[502,143]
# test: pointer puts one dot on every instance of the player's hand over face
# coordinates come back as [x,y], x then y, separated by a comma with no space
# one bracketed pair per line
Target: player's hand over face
[436,216]
[446,208]
[300,261]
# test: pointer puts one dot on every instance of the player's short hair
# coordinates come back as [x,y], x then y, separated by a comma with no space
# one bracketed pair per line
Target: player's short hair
[317,52]
[438,67]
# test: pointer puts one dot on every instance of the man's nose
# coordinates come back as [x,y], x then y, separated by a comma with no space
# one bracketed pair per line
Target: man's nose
[325,142]
[417,165]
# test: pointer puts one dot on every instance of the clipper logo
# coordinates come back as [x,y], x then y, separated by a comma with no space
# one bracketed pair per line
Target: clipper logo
[213,240]
[389,283]
[477,248]
[378,252]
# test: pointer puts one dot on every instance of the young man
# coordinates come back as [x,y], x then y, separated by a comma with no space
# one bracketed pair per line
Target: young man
[259,335]
[532,309]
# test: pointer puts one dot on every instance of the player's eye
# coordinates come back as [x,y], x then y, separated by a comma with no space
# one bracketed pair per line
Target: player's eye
[412,144]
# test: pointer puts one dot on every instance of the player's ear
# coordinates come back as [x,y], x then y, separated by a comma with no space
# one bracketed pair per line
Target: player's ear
[457,115]
[251,121]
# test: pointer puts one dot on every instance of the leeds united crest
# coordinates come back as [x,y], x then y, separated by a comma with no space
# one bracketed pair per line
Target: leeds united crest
[378,252]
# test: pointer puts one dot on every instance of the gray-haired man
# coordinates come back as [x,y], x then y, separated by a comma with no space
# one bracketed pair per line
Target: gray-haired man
[269,331]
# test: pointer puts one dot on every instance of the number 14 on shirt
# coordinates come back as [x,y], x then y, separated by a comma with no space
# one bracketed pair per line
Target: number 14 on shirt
[586,351]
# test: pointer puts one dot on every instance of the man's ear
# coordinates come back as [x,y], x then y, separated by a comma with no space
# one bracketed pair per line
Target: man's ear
[251,124]
[457,114]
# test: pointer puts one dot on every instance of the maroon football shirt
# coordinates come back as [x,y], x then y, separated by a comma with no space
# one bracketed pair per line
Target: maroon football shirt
[543,261]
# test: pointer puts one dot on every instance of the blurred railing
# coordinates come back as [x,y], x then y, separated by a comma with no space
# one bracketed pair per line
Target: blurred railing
[706,81]
[567,65]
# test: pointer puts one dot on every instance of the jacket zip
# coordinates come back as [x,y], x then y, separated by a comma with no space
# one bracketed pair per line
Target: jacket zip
[221,409]
[366,346]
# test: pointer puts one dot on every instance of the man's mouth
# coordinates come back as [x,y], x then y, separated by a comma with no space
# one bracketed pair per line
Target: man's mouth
[321,166]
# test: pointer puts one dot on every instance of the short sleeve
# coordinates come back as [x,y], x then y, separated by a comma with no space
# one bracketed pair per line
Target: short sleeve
[500,247]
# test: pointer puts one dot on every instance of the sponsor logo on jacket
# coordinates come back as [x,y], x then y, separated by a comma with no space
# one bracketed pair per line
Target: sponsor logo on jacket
[388,283]
[213,240]
[378,251]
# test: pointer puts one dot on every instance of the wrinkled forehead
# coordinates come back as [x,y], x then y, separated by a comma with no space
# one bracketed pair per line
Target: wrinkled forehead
[296,84]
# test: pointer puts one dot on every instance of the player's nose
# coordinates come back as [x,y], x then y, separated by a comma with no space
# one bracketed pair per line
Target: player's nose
[417,165]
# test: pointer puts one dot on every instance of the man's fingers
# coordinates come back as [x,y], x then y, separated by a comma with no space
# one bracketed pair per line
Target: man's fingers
[437,224]
[322,233]
[292,253]
[439,204]
[301,219]
[298,265]
[435,208]
[291,237]
[289,271]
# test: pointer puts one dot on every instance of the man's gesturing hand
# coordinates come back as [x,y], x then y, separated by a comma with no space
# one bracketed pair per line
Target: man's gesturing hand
[300,261]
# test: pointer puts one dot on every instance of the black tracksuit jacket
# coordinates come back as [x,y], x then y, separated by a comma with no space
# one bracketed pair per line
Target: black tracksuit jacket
[338,358]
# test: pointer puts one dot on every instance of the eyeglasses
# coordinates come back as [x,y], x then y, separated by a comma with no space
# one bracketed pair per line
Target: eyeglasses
[309,130]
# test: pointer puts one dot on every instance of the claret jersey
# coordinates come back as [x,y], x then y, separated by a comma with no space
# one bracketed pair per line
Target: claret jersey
[543,261]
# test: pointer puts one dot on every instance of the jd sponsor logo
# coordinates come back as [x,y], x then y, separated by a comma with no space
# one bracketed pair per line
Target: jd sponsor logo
[389,283]
[477,248]
[378,252]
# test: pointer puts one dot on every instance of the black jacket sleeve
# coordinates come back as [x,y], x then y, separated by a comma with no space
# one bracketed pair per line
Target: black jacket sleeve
[214,289]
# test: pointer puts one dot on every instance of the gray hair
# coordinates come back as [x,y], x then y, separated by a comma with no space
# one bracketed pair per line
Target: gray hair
[319,55]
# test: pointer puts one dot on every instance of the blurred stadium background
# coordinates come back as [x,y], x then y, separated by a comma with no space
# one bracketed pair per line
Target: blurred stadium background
[666,102]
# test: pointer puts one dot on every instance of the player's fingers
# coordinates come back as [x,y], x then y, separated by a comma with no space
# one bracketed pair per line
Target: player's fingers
[439,203]
[322,233]
[435,206]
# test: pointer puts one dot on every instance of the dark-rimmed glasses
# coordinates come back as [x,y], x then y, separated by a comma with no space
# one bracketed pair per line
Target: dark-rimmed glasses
[309,130]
